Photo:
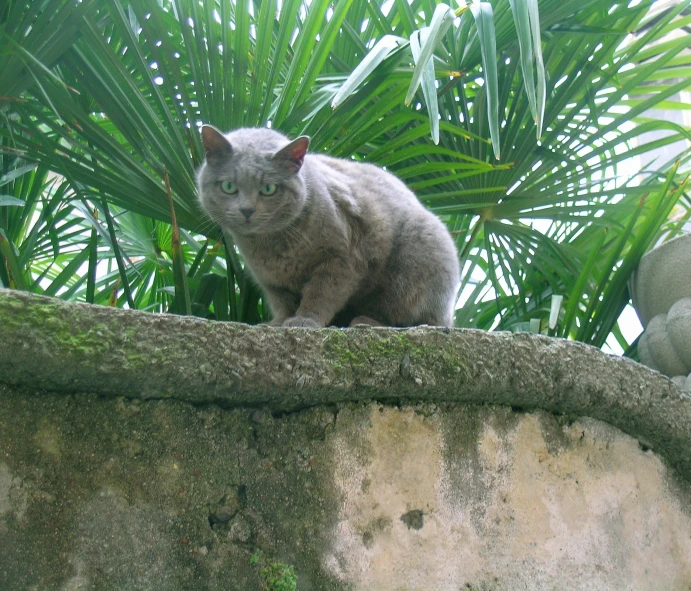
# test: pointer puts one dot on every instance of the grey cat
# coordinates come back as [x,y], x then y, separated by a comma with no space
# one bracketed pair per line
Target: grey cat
[329,241]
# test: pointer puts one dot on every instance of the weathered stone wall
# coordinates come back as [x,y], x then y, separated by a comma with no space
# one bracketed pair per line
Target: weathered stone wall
[159,452]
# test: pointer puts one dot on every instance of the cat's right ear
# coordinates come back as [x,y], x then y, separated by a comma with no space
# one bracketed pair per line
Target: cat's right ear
[292,156]
[216,146]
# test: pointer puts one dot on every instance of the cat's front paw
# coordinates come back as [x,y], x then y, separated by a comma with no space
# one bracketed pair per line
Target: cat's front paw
[302,322]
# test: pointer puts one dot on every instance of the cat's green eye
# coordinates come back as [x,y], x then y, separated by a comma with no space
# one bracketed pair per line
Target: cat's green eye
[229,187]
[268,189]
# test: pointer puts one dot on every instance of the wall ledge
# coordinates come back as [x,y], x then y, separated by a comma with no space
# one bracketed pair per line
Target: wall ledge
[48,344]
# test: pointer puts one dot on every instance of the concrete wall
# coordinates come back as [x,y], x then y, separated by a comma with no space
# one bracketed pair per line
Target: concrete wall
[159,452]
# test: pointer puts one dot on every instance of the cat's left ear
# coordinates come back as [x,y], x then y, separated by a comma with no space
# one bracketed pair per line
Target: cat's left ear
[293,155]
[216,146]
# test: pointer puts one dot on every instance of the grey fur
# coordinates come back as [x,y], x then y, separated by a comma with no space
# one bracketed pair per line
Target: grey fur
[338,242]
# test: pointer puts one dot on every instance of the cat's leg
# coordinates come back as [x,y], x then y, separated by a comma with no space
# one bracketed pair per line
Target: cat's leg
[282,303]
[325,294]
[424,298]
[421,277]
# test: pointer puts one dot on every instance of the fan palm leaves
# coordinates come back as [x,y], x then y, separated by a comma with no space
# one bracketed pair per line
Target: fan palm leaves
[41,238]
[436,95]
[34,36]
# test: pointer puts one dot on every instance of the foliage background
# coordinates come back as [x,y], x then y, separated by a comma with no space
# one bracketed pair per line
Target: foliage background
[102,100]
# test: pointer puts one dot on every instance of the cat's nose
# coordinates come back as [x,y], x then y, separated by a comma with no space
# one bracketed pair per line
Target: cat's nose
[247,212]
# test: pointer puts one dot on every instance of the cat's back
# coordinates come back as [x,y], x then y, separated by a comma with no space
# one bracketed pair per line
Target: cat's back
[372,187]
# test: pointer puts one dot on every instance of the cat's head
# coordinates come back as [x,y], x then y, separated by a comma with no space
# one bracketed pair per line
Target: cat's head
[250,182]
